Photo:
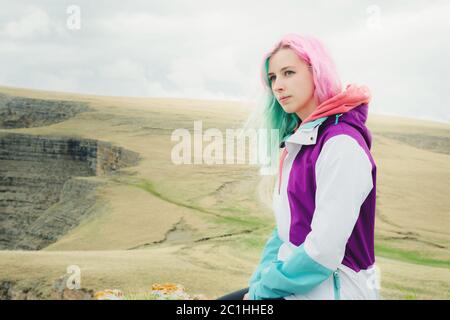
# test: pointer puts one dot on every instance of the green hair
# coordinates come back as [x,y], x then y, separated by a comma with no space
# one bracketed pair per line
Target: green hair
[276,118]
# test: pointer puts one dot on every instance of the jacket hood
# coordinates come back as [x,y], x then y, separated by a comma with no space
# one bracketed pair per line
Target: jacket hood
[357,119]
[343,102]
[350,106]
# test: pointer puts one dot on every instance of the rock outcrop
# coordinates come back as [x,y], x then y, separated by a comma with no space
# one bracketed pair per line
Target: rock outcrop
[44,191]
[41,193]
[20,112]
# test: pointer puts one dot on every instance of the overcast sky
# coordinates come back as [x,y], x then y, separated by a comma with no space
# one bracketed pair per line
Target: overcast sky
[213,49]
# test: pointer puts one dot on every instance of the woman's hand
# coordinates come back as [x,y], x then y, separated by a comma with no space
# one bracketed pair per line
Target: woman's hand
[245,296]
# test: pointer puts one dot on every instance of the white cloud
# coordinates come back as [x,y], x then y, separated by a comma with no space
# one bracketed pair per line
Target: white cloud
[403,62]
[124,70]
[35,22]
[142,25]
[210,50]
[57,82]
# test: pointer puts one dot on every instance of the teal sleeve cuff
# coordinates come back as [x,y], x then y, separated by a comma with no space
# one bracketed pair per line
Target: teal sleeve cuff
[297,275]
[269,254]
[251,292]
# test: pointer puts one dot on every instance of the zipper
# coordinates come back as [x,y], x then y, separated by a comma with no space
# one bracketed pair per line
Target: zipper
[337,285]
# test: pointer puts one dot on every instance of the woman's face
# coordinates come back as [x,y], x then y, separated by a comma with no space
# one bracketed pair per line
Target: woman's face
[291,77]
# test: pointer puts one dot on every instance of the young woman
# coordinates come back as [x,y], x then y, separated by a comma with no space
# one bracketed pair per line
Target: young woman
[324,199]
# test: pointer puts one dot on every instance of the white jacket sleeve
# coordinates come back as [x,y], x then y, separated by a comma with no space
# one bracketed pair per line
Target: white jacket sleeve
[343,182]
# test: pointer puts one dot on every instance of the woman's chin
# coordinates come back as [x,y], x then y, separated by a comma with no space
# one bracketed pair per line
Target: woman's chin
[287,109]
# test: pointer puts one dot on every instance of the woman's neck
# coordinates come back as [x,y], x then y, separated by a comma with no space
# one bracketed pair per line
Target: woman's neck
[307,110]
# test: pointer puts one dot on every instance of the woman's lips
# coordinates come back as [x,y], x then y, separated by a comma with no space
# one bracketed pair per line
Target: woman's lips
[284,99]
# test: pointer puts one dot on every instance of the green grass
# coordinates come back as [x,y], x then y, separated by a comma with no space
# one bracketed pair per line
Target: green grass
[409,256]
[410,291]
[148,186]
[234,209]
[410,296]
[254,242]
[249,222]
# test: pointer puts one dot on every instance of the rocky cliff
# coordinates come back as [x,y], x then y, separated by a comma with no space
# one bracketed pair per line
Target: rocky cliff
[44,191]
[20,112]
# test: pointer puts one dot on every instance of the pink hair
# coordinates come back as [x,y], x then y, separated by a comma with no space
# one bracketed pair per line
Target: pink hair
[313,52]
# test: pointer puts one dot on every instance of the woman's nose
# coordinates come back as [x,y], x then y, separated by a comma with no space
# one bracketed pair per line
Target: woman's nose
[278,86]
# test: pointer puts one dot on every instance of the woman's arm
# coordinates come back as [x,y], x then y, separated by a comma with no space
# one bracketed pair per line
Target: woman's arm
[269,254]
[344,180]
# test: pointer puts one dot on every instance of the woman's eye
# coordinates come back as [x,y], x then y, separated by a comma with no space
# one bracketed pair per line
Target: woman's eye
[271,78]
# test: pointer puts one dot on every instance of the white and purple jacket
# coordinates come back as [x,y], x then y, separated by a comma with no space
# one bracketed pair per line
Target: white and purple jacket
[324,206]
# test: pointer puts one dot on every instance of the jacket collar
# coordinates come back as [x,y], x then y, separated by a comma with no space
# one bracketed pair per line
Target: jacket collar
[306,134]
